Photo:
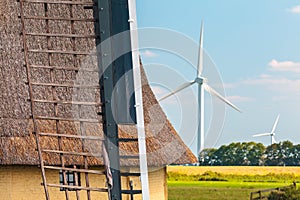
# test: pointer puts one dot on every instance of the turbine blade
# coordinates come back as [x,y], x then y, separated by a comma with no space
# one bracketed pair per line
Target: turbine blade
[200,56]
[215,93]
[261,134]
[183,86]
[275,124]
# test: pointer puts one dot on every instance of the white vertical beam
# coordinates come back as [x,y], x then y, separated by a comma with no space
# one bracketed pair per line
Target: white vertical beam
[200,136]
[138,99]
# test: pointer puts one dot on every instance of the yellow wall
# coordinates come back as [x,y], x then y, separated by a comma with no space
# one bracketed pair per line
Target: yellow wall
[158,184]
[24,183]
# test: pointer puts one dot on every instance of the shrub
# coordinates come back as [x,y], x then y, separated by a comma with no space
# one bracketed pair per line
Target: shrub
[212,176]
[286,194]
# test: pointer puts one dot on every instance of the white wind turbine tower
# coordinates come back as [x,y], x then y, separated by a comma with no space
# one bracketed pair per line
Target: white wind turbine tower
[202,85]
[272,133]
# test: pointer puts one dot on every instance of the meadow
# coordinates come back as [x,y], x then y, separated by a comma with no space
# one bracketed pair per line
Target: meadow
[211,183]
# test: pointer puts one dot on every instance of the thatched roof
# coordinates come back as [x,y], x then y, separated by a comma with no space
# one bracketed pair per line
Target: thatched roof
[17,143]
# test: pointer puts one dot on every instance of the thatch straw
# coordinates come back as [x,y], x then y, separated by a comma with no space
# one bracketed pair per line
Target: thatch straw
[17,144]
[3,11]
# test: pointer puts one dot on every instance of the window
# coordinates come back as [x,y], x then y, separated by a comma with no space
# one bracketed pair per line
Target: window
[71,179]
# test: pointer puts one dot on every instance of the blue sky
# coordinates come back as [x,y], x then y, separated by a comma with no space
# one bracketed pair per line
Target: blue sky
[255,45]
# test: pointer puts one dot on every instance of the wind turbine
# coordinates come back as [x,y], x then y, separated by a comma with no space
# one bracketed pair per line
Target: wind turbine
[202,85]
[272,133]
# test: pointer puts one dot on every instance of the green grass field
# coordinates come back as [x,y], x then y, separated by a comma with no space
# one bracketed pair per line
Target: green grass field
[236,182]
[213,190]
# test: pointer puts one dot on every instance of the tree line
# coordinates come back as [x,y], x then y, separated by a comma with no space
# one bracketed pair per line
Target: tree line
[252,154]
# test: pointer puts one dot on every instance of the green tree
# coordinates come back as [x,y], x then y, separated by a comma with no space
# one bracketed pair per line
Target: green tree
[279,154]
[294,159]
[207,157]
[252,154]
[246,153]
[255,153]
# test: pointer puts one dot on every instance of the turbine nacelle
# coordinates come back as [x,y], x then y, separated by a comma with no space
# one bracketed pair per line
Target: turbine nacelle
[200,80]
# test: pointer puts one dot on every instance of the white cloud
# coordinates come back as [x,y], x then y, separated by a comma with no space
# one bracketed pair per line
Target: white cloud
[287,66]
[265,76]
[276,83]
[295,9]
[228,85]
[280,98]
[149,54]
[237,98]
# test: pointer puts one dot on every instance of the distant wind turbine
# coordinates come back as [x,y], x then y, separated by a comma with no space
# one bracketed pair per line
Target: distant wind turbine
[272,133]
[202,85]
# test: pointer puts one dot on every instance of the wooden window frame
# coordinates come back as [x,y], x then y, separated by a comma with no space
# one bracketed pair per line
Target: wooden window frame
[70,176]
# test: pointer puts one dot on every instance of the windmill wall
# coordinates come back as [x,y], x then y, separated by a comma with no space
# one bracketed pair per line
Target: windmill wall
[24,183]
